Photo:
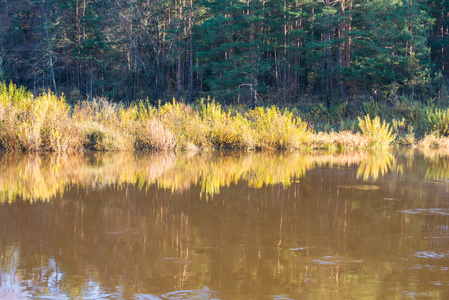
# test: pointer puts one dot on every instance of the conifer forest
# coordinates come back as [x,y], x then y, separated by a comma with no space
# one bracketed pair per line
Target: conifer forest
[236,51]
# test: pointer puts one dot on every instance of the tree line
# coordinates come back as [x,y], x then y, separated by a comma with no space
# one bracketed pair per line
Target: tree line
[239,51]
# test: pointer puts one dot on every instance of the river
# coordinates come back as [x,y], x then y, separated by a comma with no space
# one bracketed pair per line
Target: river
[225,225]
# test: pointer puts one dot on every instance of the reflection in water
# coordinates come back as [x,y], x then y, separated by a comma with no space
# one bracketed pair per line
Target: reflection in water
[41,177]
[438,168]
[280,226]
[10,287]
[375,165]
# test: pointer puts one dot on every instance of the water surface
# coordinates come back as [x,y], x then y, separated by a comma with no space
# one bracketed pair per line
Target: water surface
[224,226]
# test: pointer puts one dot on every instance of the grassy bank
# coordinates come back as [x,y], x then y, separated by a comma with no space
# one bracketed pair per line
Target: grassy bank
[47,123]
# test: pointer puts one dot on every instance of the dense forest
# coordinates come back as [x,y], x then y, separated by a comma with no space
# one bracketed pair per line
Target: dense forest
[247,52]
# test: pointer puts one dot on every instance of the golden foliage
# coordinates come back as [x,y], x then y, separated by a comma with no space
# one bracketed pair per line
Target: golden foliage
[339,140]
[47,123]
[185,123]
[379,133]
[277,130]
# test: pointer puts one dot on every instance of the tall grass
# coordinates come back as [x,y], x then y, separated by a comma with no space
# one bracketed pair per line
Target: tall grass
[339,140]
[30,123]
[226,131]
[185,123]
[47,123]
[438,121]
[277,130]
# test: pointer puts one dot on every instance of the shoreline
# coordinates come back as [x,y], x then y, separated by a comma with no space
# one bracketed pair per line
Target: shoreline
[47,123]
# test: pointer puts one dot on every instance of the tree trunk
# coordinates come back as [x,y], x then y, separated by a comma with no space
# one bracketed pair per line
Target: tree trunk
[253,60]
[191,50]
[179,65]
[49,51]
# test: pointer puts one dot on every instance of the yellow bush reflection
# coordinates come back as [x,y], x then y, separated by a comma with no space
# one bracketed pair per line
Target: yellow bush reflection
[377,164]
[437,167]
[42,177]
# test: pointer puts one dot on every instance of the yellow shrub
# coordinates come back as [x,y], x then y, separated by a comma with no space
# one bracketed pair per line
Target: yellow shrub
[277,130]
[225,131]
[379,134]
[185,123]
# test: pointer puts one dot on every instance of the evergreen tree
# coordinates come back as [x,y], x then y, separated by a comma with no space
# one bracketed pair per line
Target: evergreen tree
[390,45]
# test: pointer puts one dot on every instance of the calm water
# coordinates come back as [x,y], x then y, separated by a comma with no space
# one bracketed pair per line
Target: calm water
[225,226]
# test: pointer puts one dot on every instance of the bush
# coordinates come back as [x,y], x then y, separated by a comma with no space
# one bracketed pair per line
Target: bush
[226,131]
[433,141]
[152,135]
[35,124]
[379,134]
[185,123]
[46,123]
[277,130]
[404,132]
[438,121]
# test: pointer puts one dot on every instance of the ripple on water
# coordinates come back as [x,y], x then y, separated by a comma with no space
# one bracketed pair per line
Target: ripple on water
[190,294]
[126,231]
[392,199]
[177,260]
[430,254]
[362,187]
[333,260]
[299,248]
[281,297]
[427,211]
[431,268]
[413,294]
[146,297]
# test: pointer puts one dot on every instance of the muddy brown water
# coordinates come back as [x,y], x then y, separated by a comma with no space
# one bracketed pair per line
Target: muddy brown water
[357,225]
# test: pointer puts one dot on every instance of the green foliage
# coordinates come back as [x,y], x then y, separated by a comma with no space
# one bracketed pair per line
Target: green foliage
[438,120]
[99,140]
[327,119]
[404,132]
[237,51]
[391,48]
[348,125]
[371,108]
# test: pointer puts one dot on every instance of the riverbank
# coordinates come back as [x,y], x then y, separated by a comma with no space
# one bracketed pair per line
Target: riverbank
[48,123]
